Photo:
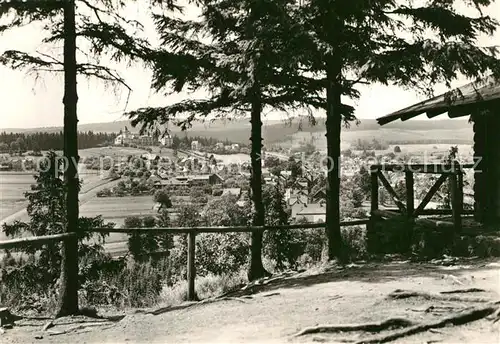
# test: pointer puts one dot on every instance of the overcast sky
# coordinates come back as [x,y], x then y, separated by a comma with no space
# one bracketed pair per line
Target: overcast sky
[26,102]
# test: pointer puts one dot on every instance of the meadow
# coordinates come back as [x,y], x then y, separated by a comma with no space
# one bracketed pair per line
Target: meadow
[12,189]
[392,136]
[226,159]
[13,185]
[116,209]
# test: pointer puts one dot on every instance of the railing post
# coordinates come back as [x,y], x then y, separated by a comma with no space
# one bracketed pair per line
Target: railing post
[374,199]
[455,201]
[191,268]
[410,207]
[374,191]
[460,181]
[410,196]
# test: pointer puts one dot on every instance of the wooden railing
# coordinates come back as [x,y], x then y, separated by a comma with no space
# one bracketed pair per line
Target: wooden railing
[38,240]
[453,173]
[190,231]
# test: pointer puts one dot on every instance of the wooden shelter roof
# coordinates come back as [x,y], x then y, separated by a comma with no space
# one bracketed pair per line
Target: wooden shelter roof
[457,102]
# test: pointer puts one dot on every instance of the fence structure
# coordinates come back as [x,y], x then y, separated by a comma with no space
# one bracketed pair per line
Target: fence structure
[190,231]
[453,173]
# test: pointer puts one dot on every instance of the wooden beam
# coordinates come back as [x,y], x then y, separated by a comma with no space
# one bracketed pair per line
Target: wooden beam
[191,266]
[434,113]
[36,240]
[394,210]
[354,222]
[198,230]
[459,112]
[236,229]
[385,213]
[393,193]
[422,168]
[434,223]
[444,212]
[374,190]
[407,116]
[371,225]
[455,203]
[410,193]
[460,180]
[430,194]
[435,211]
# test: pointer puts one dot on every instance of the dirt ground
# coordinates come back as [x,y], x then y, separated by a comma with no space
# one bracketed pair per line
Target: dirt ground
[276,311]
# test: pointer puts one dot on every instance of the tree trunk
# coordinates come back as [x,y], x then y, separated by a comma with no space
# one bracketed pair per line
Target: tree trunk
[69,266]
[333,130]
[257,270]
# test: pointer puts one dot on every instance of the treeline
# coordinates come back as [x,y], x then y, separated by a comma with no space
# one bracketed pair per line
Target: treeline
[20,142]
[370,145]
[431,142]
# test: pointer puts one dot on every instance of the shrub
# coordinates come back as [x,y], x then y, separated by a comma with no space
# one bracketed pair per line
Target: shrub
[132,285]
[162,197]
[106,192]
[217,192]
[305,261]
[312,241]
[205,287]
[390,236]
[218,253]
[354,238]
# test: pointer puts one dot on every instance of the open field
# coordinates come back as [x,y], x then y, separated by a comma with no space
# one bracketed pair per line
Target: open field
[13,185]
[111,151]
[118,208]
[401,136]
[390,135]
[12,189]
[238,130]
[432,152]
[21,214]
[226,159]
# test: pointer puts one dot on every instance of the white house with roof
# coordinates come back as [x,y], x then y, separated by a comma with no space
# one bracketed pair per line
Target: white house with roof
[195,145]
[125,137]
[232,191]
[312,212]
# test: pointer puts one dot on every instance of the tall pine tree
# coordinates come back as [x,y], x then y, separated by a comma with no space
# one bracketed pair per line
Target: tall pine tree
[236,53]
[406,43]
[70,21]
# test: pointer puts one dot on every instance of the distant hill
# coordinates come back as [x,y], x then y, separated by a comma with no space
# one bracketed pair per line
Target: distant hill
[238,130]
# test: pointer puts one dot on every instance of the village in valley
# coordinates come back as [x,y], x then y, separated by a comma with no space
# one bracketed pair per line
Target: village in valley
[129,168]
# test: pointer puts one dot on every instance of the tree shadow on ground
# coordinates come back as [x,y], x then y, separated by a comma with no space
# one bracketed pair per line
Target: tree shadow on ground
[168,309]
[368,273]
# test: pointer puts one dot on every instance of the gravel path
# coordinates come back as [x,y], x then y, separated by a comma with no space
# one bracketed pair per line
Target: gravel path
[280,309]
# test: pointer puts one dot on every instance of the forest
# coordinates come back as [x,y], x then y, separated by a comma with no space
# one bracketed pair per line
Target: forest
[43,141]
